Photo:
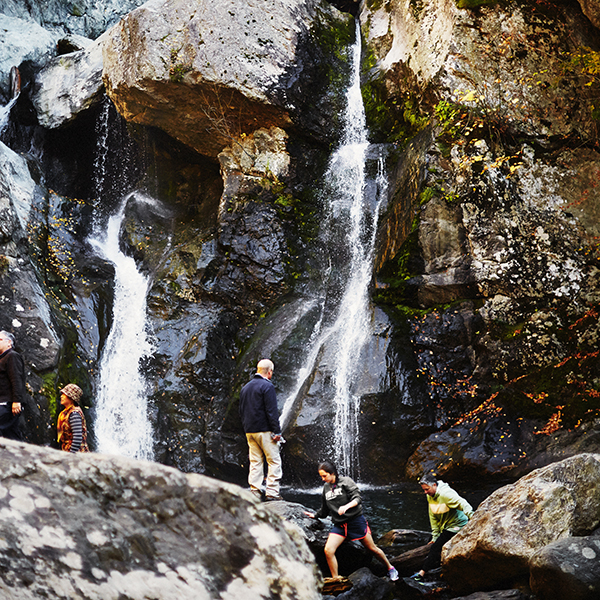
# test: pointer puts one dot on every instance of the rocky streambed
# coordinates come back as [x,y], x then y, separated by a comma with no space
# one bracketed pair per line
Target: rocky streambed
[99,526]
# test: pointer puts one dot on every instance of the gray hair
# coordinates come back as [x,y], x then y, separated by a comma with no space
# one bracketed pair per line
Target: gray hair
[265,365]
[428,479]
[9,336]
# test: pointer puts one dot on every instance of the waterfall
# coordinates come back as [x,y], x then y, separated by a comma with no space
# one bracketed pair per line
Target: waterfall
[15,91]
[351,227]
[121,423]
[102,150]
[5,114]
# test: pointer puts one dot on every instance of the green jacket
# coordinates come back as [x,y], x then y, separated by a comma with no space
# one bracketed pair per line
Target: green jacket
[447,510]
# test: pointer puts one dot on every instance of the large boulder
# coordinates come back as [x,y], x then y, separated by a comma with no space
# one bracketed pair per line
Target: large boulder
[98,526]
[22,41]
[591,9]
[25,309]
[568,568]
[207,73]
[88,18]
[67,85]
[513,524]
[491,225]
[506,60]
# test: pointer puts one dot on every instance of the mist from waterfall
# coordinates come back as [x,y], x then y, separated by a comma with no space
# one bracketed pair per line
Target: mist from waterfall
[122,425]
[351,226]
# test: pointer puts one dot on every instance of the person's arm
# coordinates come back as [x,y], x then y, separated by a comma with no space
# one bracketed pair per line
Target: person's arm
[271,410]
[435,525]
[15,372]
[76,423]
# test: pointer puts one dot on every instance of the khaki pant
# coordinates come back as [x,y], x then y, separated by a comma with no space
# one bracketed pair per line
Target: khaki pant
[261,447]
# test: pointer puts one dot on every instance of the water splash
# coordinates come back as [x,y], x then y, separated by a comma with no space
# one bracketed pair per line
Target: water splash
[122,425]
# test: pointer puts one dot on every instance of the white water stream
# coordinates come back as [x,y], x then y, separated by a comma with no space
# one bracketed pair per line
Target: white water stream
[122,425]
[5,113]
[355,214]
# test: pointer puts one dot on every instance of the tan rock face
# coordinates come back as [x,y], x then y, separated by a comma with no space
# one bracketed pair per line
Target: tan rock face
[591,9]
[516,521]
[208,72]
[505,60]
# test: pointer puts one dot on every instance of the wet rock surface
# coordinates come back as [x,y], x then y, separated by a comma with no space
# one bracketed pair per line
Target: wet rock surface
[67,85]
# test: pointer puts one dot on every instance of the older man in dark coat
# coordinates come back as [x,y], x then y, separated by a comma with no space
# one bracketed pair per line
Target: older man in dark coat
[12,387]
[260,418]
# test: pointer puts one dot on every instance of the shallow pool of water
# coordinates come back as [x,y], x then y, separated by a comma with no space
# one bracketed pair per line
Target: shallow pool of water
[393,507]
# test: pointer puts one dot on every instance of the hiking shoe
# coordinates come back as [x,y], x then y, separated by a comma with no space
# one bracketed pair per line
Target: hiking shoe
[417,577]
[272,498]
[393,574]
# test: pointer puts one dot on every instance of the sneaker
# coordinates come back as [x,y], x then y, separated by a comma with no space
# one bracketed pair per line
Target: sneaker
[272,498]
[417,577]
[257,494]
[393,574]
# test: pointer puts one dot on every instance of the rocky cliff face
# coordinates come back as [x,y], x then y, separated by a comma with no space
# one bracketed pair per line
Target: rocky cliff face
[483,352]
[500,267]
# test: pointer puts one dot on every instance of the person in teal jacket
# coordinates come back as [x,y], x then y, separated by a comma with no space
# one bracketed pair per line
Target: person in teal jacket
[448,514]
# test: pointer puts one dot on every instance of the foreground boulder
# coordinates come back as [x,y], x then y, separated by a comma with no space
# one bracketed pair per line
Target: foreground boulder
[98,526]
[517,521]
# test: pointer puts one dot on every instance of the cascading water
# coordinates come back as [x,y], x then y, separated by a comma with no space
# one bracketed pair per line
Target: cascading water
[122,425]
[15,90]
[352,224]
[121,422]
[5,114]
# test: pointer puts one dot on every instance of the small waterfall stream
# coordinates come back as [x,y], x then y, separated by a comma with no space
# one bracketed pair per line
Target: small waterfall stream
[121,422]
[352,224]
[122,425]
[5,113]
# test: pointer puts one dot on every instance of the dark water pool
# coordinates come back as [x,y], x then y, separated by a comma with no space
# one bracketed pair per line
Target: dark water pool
[393,507]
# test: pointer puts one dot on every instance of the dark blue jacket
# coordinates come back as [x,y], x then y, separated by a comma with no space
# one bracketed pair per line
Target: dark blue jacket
[258,406]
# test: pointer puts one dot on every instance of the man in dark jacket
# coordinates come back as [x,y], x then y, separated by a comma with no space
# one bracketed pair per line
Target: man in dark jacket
[12,387]
[260,419]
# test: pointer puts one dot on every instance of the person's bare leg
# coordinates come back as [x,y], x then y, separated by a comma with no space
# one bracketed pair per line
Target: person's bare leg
[369,544]
[334,541]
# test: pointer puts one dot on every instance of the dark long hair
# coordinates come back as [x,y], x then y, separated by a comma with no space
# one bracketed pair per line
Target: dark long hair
[330,468]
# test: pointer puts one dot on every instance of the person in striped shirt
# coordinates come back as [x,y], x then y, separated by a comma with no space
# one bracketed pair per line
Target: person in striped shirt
[72,432]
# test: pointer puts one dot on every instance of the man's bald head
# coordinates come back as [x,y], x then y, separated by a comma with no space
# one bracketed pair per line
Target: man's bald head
[265,368]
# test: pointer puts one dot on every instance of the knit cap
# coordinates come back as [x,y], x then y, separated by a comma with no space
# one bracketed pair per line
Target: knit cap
[72,391]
